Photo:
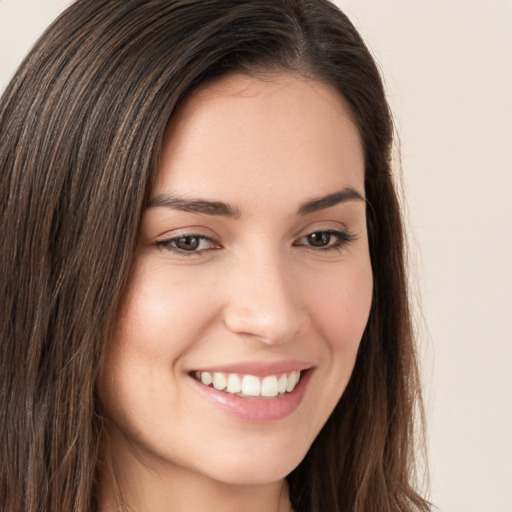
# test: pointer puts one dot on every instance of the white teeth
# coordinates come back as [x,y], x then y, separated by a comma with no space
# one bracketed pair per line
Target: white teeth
[293,378]
[234,383]
[206,378]
[250,385]
[283,383]
[219,381]
[269,386]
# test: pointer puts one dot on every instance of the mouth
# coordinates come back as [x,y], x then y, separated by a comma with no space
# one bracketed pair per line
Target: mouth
[272,394]
[250,386]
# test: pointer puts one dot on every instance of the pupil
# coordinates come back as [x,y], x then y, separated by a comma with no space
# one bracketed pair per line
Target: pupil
[319,239]
[188,243]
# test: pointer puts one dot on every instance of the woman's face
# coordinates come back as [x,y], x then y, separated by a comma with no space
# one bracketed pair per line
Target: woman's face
[252,269]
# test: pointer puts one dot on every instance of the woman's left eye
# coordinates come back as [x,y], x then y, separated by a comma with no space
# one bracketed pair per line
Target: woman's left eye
[326,240]
[187,244]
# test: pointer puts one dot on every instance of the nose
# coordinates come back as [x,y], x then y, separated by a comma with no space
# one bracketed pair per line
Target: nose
[263,302]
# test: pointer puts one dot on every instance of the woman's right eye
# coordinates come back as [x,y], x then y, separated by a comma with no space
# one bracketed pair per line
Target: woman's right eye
[187,244]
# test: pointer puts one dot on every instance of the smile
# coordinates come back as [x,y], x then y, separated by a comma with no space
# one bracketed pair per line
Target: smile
[274,393]
[269,386]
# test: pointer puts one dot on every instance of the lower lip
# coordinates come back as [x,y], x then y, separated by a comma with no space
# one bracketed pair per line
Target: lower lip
[257,409]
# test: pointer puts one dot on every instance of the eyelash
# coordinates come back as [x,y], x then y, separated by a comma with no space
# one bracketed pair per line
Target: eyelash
[169,244]
[342,239]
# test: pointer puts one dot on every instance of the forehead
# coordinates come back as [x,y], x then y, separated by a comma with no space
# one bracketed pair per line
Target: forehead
[281,130]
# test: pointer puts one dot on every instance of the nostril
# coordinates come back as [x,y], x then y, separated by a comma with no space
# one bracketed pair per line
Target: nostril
[278,326]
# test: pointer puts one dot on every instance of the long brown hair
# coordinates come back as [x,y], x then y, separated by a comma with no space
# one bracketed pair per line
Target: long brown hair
[81,130]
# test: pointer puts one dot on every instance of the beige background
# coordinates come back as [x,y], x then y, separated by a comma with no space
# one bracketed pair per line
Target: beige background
[448,68]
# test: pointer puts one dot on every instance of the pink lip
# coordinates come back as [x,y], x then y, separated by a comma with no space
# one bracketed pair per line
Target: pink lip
[256,409]
[258,369]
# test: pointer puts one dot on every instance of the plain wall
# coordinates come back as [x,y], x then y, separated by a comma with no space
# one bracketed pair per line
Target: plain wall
[448,69]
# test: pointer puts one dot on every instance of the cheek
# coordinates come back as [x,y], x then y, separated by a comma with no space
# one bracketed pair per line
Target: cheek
[163,313]
[158,323]
[340,306]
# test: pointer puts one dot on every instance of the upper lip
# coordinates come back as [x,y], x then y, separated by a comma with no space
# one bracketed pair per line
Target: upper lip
[258,368]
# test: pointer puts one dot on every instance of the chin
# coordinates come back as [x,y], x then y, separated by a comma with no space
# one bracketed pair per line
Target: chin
[258,467]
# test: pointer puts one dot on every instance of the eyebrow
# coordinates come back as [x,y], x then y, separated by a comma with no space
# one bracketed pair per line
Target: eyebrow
[218,208]
[200,206]
[322,203]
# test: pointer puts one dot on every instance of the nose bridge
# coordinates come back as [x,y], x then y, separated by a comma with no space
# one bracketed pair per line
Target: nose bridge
[262,302]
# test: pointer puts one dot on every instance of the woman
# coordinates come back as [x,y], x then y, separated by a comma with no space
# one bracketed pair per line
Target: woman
[204,293]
